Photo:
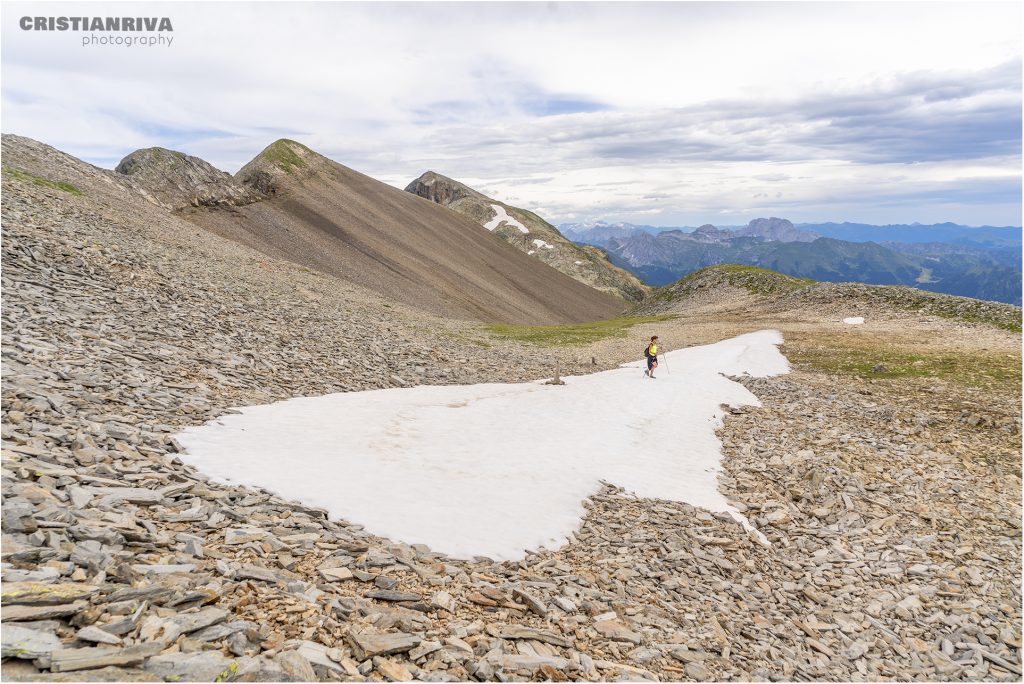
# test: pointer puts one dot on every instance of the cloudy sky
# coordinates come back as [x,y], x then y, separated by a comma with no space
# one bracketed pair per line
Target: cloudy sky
[663,113]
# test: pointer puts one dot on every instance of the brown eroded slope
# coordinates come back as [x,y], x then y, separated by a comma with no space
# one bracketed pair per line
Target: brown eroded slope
[322,215]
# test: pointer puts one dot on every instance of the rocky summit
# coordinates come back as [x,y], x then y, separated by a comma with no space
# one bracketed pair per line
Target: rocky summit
[882,474]
[179,180]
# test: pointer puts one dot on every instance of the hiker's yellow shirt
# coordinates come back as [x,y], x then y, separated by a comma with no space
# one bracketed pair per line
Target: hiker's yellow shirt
[654,350]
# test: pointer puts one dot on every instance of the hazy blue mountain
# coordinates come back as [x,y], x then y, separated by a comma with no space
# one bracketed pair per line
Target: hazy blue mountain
[985,236]
[1008,256]
[776,229]
[966,270]
[598,233]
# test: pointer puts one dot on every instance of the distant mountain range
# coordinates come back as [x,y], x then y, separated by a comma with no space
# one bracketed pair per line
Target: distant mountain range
[984,263]
[599,232]
[954,233]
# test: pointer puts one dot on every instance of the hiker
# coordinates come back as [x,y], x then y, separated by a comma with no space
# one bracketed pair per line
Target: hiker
[651,352]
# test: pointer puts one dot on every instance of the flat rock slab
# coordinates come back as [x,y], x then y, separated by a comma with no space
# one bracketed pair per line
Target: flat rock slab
[395,596]
[335,574]
[392,671]
[190,622]
[97,635]
[25,613]
[616,631]
[13,550]
[520,632]
[425,648]
[179,568]
[530,601]
[135,495]
[71,659]
[256,572]
[685,655]
[45,575]
[531,662]
[27,644]
[236,535]
[208,666]
[370,645]
[698,672]
[317,655]
[296,666]
[40,593]
[104,674]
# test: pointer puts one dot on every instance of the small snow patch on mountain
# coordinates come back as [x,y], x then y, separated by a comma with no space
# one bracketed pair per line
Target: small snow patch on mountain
[501,216]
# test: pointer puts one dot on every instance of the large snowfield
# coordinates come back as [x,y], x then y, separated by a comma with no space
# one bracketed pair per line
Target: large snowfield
[494,469]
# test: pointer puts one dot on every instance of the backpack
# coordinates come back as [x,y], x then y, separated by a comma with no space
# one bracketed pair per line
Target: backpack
[647,351]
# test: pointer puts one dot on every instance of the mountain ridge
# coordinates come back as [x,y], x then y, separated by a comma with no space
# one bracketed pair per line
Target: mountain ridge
[181,180]
[291,203]
[530,234]
[779,291]
[598,232]
[331,218]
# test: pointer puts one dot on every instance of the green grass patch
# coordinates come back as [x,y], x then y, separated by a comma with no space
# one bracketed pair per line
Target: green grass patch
[993,371]
[282,155]
[43,182]
[753,279]
[576,334]
[761,280]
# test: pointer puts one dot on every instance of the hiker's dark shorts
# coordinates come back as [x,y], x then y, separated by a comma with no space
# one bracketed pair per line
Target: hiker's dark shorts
[651,360]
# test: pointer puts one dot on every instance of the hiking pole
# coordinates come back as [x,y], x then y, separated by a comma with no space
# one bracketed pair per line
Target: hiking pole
[665,359]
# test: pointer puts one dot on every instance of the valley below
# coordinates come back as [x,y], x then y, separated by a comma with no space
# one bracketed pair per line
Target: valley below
[881,474]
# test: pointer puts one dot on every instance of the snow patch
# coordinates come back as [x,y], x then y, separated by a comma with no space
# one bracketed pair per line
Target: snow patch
[577,262]
[541,244]
[501,216]
[854,320]
[532,251]
[494,469]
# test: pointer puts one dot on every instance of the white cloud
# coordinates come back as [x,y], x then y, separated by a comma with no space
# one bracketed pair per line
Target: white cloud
[679,106]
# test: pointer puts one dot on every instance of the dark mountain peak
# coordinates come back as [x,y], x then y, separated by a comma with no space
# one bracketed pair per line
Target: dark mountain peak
[441,189]
[179,180]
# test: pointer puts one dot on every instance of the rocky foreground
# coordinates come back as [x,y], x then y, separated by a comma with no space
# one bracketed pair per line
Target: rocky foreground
[891,510]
